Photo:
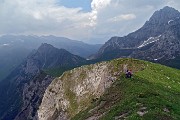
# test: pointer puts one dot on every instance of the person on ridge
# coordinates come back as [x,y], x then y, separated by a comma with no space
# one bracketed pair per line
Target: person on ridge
[127,76]
[128,73]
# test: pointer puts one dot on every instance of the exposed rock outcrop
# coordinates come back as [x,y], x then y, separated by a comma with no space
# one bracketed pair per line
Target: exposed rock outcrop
[76,89]
[22,91]
[157,40]
[32,95]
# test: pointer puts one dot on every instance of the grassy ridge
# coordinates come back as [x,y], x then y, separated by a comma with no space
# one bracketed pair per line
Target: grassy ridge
[152,94]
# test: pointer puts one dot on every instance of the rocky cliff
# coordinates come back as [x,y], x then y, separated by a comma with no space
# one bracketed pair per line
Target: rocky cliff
[75,90]
[32,93]
[22,91]
[157,40]
[101,91]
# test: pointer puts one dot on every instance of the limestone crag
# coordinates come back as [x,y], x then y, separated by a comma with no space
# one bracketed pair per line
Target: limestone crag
[32,96]
[75,90]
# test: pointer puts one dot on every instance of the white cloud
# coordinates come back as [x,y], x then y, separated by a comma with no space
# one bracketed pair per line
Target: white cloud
[97,6]
[122,17]
[40,17]
[108,17]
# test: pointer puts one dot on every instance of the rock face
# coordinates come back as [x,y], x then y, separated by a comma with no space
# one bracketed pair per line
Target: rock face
[158,39]
[101,91]
[22,91]
[165,47]
[73,91]
[32,94]
[76,89]
[11,89]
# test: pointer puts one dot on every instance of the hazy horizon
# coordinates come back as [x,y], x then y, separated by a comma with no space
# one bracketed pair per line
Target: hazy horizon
[90,21]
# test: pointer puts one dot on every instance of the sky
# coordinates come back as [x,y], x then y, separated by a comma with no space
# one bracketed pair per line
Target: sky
[91,21]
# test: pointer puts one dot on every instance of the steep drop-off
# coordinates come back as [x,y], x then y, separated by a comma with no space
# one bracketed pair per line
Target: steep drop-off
[104,93]
[22,91]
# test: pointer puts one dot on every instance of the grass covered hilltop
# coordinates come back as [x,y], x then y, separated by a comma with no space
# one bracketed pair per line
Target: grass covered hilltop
[153,93]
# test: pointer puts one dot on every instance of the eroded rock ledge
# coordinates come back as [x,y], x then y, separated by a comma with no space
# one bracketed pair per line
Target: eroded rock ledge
[76,89]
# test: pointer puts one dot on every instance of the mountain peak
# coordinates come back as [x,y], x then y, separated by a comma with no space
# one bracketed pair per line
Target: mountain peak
[163,15]
[168,8]
[49,56]
[169,11]
[46,46]
[157,40]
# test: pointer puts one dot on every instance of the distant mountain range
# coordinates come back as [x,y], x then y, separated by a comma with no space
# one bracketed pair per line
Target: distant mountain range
[33,42]
[158,40]
[14,49]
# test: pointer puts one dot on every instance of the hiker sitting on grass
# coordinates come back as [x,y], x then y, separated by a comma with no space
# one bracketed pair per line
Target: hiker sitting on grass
[128,74]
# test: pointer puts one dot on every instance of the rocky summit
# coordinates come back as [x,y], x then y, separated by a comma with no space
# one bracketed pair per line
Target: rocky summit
[157,40]
[48,56]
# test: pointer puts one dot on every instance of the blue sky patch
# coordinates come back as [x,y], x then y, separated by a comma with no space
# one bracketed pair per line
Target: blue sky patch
[84,4]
